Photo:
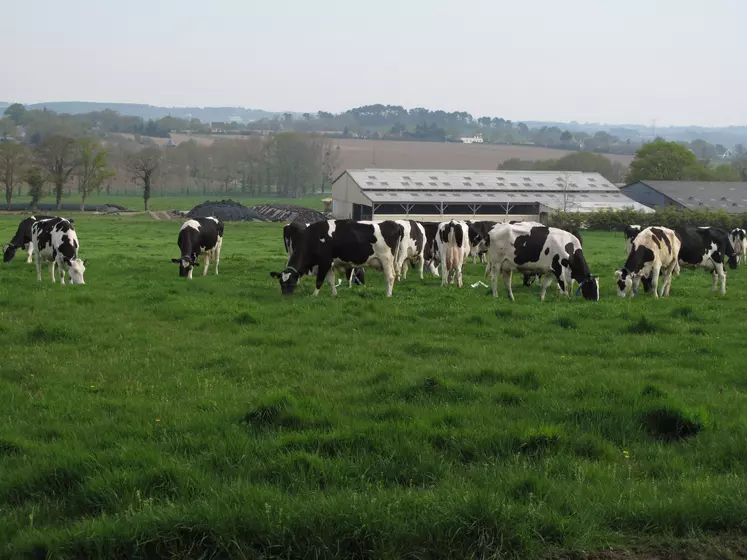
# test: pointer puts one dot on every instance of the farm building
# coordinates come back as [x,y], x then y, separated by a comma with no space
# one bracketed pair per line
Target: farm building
[366,194]
[691,195]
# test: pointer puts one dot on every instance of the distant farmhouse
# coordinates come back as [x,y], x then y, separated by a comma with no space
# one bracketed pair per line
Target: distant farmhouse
[476,139]
[431,195]
[692,195]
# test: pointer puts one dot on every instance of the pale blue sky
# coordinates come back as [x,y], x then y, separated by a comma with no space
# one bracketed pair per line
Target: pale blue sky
[627,61]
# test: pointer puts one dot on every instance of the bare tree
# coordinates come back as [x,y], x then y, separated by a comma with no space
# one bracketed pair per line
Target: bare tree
[568,198]
[330,162]
[13,160]
[94,163]
[35,181]
[142,165]
[59,156]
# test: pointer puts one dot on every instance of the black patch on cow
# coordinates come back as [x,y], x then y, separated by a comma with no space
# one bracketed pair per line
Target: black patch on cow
[631,232]
[430,251]
[417,236]
[638,258]
[528,248]
[697,242]
[658,235]
[191,242]
[557,269]
[547,250]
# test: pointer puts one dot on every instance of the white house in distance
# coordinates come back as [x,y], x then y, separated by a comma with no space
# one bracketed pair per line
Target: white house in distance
[434,195]
[476,139]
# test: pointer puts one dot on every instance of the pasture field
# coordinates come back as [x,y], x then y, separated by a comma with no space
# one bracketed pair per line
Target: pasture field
[144,415]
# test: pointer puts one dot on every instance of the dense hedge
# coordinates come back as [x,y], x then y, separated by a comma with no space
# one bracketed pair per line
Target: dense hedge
[610,220]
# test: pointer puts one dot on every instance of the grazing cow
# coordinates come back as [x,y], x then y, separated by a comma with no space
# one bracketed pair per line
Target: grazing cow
[195,236]
[349,242]
[292,234]
[708,248]
[453,248]
[55,240]
[478,234]
[654,252]
[411,248]
[630,233]
[738,243]
[430,252]
[22,239]
[534,248]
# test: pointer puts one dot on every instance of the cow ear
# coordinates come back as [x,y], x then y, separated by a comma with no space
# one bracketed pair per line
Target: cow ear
[177,261]
[618,273]
[275,274]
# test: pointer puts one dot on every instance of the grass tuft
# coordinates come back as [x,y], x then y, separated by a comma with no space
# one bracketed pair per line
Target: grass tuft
[644,326]
[566,323]
[670,423]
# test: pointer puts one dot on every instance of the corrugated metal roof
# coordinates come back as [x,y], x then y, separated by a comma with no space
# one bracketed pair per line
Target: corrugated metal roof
[576,202]
[459,180]
[713,195]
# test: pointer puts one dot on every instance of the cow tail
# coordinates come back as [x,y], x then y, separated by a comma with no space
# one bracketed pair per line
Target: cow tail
[397,247]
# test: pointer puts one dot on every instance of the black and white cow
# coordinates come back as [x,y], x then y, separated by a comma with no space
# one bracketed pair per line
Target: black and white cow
[708,248]
[22,239]
[358,244]
[55,240]
[630,232]
[738,243]
[654,252]
[431,256]
[411,248]
[292,235]
[199,235]
[478,234]
[453,248]
[538,249]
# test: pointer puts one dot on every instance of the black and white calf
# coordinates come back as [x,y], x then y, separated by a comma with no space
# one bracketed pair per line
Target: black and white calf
[55,240]
[196,236]
[411,248]
[292,235]
[453,248]
[738,243]
[358,244]
[22,239]
[538,249]
[654,252]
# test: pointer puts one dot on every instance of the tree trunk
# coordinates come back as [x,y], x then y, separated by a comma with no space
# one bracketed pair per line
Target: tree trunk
[83,202]
[9,196]
[146,192]
[58,189]
[34,204]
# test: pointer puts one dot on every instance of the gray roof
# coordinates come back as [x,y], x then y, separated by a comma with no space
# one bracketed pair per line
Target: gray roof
[452,180]
[694,195]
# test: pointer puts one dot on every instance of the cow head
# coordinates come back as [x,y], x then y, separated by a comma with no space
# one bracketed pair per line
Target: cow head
[9,252]
[589,288]
[186,263]
[288,280]
[76,268]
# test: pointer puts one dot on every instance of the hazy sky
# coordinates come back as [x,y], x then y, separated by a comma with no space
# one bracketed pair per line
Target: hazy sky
[614,61]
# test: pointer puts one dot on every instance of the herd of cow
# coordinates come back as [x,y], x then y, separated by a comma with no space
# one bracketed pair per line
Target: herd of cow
[533,249]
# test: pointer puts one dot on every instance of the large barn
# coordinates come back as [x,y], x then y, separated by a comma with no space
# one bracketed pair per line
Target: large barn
[381,194]
[691,195]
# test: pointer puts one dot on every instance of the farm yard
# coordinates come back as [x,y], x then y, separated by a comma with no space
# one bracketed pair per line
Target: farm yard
[149,416]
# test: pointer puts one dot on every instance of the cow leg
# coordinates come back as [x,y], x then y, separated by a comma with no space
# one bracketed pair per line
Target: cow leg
[403,270]
[51,270]
[421,265]
[331,281]
[459,275]
[29,252]
[507,281]
[62,275]
[721,276]
[444,273]
[217,259]
[350,276]
[668,274]
[206,264]
[388,268]
[493,279]
[655,280]
[37,261]
[321,273]
[547,279]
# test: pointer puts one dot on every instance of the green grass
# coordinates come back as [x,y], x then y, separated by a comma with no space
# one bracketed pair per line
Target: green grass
[159,203]
[147,416]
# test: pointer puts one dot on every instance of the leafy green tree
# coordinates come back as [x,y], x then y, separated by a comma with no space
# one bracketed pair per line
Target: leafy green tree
[35,180]
[93,170]
[59,156]
[13,158]
[15,112]
[661,160]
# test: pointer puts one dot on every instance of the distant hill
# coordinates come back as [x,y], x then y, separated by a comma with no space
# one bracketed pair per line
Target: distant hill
[205,114]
